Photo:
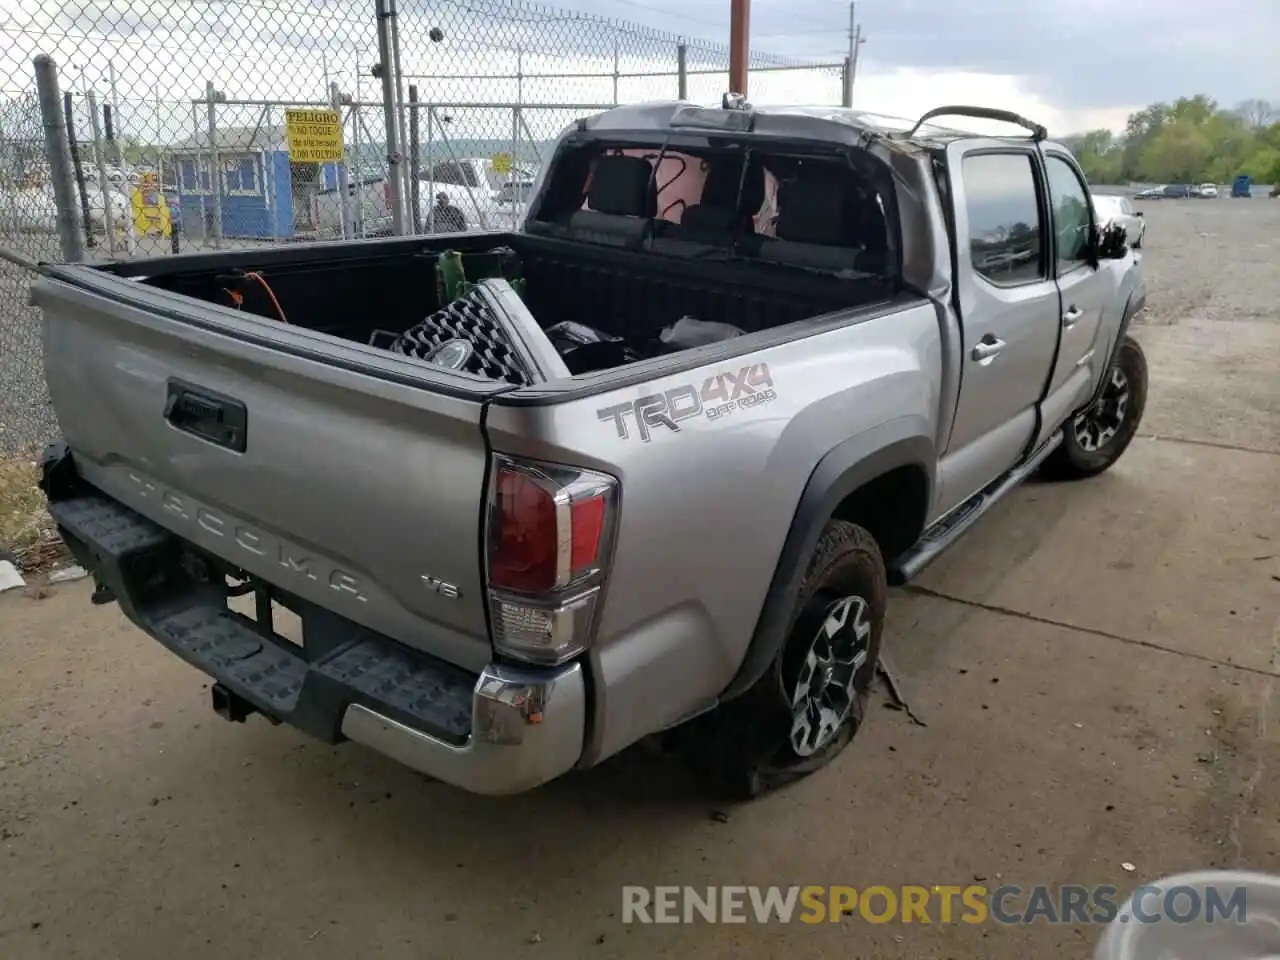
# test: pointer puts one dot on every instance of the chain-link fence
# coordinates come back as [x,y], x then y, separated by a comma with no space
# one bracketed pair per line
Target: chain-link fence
[208,125]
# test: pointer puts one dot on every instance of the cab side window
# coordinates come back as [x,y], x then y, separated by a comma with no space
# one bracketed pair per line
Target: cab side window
[1005,237]
[1071,219]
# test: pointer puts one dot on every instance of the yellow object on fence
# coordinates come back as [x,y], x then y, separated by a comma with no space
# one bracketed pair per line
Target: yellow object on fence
[150,209]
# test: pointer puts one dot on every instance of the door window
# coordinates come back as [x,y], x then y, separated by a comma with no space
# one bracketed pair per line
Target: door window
[1005,241]
[1071,219]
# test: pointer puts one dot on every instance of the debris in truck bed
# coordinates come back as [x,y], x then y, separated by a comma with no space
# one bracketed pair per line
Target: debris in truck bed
[471,318]
[585,348]
[689,332]
[451,274]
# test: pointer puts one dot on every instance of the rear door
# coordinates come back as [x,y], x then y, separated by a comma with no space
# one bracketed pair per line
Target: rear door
[1086,290]
[1008,309]
[337,472]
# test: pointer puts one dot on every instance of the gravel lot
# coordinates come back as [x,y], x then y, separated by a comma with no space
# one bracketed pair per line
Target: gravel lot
[1095,665]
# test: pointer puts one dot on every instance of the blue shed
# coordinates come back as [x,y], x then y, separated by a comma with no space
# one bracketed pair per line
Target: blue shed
[264,195]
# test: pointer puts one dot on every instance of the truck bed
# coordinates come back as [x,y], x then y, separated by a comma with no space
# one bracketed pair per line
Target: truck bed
[242,434]
[351,291]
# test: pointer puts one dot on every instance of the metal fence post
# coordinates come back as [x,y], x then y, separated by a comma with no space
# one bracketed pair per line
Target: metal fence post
[414,162]
[513,175]
[344,181]
[104,184]
[394,160]
[358,118]
[431,169]
[617,64]
[118,153]
[407,171]
[846,83]
[68,111]
[682,71]
[518,189]
[58,152]
[215,178]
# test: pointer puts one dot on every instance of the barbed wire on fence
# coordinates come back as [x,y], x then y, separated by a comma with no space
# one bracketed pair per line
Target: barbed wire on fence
[176,119]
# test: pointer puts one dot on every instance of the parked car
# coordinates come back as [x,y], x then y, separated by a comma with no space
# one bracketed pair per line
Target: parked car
[487,198]
[1120,211]
[1207,191]
[1150,193]
[113,194]
[517,544]
[1176,191]
[33,208]
[368,209]
[26,209]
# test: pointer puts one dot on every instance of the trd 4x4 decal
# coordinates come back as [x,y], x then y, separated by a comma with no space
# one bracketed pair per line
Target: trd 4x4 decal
[718,396]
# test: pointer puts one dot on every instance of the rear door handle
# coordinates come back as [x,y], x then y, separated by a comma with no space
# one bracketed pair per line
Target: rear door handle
[1070,317]
[987,349]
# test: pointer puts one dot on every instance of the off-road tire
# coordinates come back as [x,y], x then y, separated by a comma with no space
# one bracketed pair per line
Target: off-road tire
[745,746]
[1073,460]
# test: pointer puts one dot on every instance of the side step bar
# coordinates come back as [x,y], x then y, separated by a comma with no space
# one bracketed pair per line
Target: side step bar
[958,522]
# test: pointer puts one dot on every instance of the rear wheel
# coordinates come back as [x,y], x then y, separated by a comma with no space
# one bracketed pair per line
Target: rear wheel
[810,703]
[1098,435]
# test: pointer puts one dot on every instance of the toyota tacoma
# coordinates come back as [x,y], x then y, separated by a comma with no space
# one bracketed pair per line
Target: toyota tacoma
[646,464]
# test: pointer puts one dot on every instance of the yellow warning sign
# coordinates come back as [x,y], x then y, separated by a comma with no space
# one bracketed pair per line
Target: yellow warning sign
[501,162]
[314,136]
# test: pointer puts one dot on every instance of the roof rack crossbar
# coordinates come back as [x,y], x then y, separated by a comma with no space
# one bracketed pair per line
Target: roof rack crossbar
[1038,132]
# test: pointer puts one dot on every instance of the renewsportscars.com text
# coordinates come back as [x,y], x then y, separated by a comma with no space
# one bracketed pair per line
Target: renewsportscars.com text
[973,904]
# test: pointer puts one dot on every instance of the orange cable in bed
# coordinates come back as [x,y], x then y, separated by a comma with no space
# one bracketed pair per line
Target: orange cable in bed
[270,293]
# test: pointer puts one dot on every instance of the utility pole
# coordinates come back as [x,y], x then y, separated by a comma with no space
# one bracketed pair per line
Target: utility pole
[739,44]
[856,40]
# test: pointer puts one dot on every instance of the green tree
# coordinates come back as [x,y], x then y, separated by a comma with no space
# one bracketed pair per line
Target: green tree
[1142,127]
[1179,153]
[1098,156]
[1263,165]
[1190,140]
[1257,114]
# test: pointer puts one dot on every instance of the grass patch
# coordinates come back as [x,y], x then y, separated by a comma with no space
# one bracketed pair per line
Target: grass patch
[26,531]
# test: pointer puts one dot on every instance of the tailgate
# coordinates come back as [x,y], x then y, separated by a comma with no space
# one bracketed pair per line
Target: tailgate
[337,472]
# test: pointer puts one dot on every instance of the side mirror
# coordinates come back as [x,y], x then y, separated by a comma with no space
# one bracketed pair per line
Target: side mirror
[1110,242]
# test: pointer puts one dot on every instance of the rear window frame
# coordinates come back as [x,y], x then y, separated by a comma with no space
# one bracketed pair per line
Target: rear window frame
[862,162]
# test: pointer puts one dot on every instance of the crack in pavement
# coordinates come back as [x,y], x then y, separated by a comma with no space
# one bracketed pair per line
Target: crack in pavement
[1259,766]
[918,590]
[1209,443]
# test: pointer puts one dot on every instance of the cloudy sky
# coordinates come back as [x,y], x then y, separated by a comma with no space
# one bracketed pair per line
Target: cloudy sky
[1074,64]
[1071,65]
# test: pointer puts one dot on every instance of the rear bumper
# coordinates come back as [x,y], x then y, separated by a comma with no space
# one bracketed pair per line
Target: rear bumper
[527,728]
[506,731]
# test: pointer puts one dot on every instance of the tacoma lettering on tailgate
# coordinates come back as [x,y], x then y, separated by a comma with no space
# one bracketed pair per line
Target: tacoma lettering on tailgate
[239,537]
[720,395]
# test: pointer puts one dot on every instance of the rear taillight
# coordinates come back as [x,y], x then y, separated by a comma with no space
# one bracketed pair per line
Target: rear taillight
[550,532]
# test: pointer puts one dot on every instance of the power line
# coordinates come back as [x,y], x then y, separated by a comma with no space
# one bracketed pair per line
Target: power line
[797,33]
[719,25]
[792,14]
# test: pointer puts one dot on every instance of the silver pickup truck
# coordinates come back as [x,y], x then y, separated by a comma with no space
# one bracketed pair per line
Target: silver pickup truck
[646,465]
